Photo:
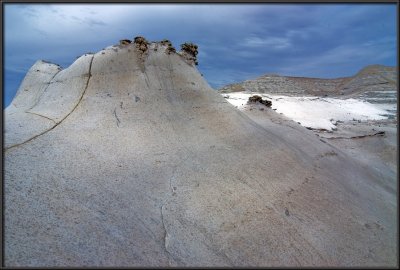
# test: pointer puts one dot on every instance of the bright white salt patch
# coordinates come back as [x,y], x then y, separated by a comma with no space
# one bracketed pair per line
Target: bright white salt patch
[316,112]
[237,100]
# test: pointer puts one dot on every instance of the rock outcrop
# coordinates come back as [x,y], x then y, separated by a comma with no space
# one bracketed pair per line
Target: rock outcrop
[141,44]
[257,98]
[170,49]
[125,42]
[129,158]
[190,52]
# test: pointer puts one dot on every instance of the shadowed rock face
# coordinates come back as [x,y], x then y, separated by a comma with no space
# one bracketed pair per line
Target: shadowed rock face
[131,159]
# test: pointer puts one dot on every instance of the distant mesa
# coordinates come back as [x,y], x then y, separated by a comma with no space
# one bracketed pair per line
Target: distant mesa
[371,79]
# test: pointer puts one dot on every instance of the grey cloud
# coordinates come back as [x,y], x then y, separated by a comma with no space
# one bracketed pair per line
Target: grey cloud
[93,22]
[278,43]
[236,42]
[89,21]
[76,18]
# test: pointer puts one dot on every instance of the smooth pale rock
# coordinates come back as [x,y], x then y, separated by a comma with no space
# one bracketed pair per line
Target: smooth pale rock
[45,88]
[152,167]
[34,84]
[20,126]
[65,90]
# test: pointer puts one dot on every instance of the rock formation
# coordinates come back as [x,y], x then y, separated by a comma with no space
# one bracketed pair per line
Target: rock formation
[190,51]
[141,44]
[170,49]
[259,99]
[129,158]
[374,81]
[125,42]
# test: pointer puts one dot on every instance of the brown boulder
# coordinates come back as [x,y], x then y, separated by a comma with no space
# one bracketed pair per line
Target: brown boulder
[257,98]
[125,42]
[190,51]
[141,44]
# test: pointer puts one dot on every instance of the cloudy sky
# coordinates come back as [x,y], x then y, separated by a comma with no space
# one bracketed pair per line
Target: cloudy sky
[236,42]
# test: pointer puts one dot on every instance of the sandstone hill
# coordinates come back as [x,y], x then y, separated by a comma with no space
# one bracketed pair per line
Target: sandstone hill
[129,158]
[374,82]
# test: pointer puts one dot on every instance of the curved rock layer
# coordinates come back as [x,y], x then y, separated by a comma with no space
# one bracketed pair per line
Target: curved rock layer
[130,159]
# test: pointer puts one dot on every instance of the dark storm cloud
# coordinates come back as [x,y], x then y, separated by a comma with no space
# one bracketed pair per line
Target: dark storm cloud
[236,42]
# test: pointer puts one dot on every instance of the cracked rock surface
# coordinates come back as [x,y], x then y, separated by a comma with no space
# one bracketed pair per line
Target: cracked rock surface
[143,164]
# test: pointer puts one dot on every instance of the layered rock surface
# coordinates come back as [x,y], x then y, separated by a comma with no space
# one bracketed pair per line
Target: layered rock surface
[374,82]
[131,159]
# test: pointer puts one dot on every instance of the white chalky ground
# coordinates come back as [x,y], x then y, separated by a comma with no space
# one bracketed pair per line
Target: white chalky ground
[318,112]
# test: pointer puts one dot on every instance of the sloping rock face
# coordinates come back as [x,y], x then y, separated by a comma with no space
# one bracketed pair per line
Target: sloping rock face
[285,85]
[373,81]
[131,159]
[21,123]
